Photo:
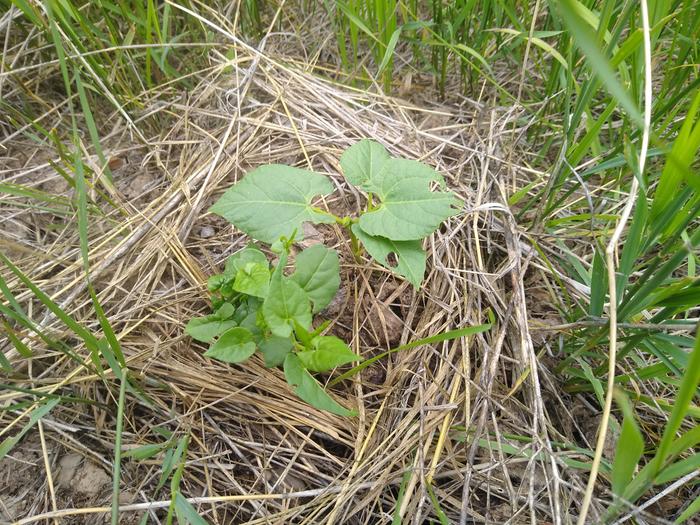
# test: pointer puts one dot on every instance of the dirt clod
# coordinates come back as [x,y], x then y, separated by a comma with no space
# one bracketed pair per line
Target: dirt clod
[91,479]
[385,324]
[68,465]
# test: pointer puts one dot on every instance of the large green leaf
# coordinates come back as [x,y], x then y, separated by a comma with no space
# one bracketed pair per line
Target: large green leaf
[362,162]
[234,346]
[285,303]
[328,352]
[274,201]
[253,279]
[274,349]
[410,257]
[317,272]
[206,328]
[308,389]
[409,209]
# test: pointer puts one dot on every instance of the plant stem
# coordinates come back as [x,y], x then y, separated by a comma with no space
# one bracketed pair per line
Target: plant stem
[355,244]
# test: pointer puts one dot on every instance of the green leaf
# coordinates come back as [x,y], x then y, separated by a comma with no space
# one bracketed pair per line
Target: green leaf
[145,451]
[629,450]
[409,209]
[308,389]
[234,346]
[186,513]
[599,285]
[444,336]
[273,201]
[5,363]
[35,416]
[215,282]
[683,399]
[573,13]
[362,161]
[678,469]
[275,349]
[318,273]
[285,303]
[329,352]
[206,328]
[240,259]
[679,161]
[690,511]
[389,51]
[410,257]
[250,322]
[253,279]
[302,335]
[225,311]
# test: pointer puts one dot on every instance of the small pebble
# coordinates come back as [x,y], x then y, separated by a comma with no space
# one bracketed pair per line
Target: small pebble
[206,232]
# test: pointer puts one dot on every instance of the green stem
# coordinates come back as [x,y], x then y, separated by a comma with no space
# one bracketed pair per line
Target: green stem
[355,244]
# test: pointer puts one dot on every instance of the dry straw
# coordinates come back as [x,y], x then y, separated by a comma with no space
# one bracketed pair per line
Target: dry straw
[256,454]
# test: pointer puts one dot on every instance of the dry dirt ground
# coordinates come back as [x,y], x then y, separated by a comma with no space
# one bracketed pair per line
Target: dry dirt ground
[258,453]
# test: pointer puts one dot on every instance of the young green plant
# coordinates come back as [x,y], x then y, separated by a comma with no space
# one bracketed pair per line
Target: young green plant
[257,306]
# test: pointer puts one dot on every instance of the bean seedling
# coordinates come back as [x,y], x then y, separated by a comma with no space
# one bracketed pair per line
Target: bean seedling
[256,306]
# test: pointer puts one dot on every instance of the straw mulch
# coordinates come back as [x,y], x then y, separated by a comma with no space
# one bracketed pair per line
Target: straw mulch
[256,453]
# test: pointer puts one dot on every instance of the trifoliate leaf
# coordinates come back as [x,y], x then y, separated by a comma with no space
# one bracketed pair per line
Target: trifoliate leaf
[243,257]
[253,279]
[362,162]
[409,255]
[274,201]
[317,272]
[286,302]
[275,349]
[328,352]
[308,389]
[408,210]
[206,328]
[234,346]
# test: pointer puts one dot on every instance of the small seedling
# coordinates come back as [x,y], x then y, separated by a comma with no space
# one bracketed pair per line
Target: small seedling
[257,306]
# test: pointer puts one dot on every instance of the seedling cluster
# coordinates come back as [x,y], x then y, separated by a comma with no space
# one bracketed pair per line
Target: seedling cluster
[258,306]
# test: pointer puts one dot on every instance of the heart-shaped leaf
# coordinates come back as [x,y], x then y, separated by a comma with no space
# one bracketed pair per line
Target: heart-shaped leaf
[408,210]
[410,256]
[362,162]
[285,303]
[274,201]
[317,272]
[234,346]
[206,328]
[308,389]
[328,352]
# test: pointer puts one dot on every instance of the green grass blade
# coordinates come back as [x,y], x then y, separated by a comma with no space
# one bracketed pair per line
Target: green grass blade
[39,412]
[585,38]
[629,450]
[445,336]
